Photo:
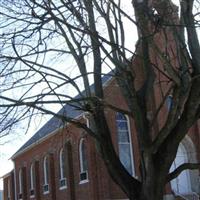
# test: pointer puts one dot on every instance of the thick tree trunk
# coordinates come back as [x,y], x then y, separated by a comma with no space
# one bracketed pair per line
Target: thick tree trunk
[151,190]
[152,178]
[150,185]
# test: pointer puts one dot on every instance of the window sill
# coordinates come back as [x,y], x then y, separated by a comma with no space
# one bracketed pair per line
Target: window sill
[32,196]
[83,181]
[63,187]
[46,192]
[46,189]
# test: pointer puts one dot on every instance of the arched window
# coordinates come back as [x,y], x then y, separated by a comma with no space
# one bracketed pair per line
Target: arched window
[46,175]
[62,169]
[20,183]
[9,188]
[181,184]
[83,161]
[32,180]
[124,142]
[187,182]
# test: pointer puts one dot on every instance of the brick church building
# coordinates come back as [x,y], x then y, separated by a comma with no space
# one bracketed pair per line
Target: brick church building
[60,161]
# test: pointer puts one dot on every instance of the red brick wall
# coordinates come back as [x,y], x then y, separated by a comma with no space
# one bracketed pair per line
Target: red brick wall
[8,181]
[52,146]
[100,185]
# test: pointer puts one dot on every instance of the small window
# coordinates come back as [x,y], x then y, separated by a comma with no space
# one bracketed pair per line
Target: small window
[32,180]
[63,181]
[83,162]
[124,142]
[46,175]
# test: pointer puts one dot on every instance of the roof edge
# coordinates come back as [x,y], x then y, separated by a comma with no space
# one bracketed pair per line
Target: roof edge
[7,174]
[35,143]
[41,140]
[105,84]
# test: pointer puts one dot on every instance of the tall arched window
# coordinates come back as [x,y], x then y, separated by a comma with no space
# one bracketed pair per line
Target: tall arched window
[32,180]
[124,142]
[9,189]
[46,175]
[83,161]
[20,183]
[181,184]
[62,169]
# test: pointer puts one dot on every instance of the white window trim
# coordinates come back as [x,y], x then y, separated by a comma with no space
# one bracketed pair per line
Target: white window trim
[131,145]
[32,196]
[63,187]
[31,177]
[9,189]
[130,142]
[62,176]
[86,117]
[81,162]
[81,155]
[88,122]
[45,175]
[84,181]
[20,181]
[45,161]
[45,170]
[46,192]
[61,164]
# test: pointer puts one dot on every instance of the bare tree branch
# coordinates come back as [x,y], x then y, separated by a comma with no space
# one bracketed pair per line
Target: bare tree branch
[180,169]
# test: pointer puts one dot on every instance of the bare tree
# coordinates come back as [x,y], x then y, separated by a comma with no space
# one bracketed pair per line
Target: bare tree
[40,38]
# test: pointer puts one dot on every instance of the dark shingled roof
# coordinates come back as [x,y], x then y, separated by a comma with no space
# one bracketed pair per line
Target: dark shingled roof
[55,123]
